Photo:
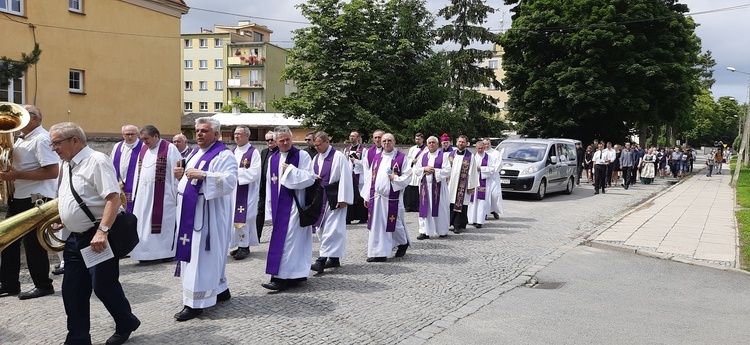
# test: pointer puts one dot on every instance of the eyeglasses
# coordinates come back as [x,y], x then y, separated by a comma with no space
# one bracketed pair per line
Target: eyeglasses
[308,139]
[56,144]
[128,134]
[269,140]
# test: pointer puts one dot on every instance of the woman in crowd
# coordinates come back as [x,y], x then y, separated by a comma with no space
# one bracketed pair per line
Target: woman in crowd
[615,166]
[647,167]
[588,159]
[662,158]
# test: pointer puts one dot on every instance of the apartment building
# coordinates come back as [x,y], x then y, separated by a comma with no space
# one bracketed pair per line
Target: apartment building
[495,63]
[104,63]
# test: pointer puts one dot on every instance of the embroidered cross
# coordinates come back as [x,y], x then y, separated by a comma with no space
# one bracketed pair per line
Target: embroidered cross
[184,239]
[274,178]
[245,162]
[241,209]
[392,218]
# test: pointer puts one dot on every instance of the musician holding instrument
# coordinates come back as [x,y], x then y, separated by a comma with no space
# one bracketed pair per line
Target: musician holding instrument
[33,174]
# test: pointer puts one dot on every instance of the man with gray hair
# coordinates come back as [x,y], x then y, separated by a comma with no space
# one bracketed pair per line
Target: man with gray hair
[180,141]
[204,203]
[155,197]
[125,158]
[245,198]
[289,172]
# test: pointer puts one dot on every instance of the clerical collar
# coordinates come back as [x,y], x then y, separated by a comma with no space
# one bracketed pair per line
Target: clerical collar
[130,146]
[460,152]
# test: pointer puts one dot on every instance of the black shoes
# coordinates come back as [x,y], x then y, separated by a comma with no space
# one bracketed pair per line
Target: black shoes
[36,292]
[275,286]
[319,265]
[442,236]
[494,214]
[478,226]
[224,296]
[333,262]
[401,251]
[5,291]
[241,253]
[596,192]
[423,237]
[188,313]
[121,338]
[377,259]
[58,271]
[458,230]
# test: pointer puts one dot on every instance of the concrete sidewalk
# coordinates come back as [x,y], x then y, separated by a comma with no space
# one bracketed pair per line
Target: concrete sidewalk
[690,222]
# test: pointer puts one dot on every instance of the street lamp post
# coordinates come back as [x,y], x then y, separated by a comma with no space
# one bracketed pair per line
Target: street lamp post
[744,142]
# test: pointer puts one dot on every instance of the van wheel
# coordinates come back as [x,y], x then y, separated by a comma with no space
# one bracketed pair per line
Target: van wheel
[569,187]
[541,191]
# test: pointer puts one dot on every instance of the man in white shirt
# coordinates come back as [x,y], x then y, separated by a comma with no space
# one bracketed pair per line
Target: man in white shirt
[125,159]
[601,162]
[34,174]
[93,178]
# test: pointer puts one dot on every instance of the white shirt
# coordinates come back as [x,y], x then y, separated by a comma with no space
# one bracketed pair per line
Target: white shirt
[601,157]
[93,179]
[30,153]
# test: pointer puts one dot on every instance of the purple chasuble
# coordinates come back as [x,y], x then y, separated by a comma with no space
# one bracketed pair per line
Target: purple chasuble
[462,179]
[189,202]
[423,205]
[325,179]
[128,190]
[393,197]
[481,191]
[160,178]
[282,201]
[240,214]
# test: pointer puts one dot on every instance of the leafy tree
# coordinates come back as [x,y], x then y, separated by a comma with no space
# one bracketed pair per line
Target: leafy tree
[11,69]
[241,106]
[706,64]
[599,68]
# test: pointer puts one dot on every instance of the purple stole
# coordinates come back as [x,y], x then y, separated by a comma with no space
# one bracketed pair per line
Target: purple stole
[160,178]
[325,179]
[482,182]
[419,152]
[282,201]
[128,190]
[240,216]
[186,152]
[371,152]
[360,148]
[463,176]
[423,208]
[393,197]
[189,203]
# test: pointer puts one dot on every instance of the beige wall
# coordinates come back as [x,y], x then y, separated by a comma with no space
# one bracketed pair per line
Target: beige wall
[131,63]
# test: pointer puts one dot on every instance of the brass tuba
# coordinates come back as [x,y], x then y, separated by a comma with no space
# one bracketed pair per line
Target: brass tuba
[13,118]
[38,218]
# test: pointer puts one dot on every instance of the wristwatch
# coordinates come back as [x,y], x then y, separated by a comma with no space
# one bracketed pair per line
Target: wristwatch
[104,229]
[204,175]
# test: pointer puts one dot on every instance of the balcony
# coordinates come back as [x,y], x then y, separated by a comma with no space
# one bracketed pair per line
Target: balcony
[244,61]
[257,105]
[245,83]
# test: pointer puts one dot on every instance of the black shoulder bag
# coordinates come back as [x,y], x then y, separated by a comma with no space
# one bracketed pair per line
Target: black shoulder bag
[123,235]
[310,212]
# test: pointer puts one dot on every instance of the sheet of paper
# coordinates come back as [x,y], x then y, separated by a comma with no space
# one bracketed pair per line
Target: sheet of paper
[91,258]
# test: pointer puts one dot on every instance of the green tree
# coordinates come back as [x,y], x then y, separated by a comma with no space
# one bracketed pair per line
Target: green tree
[11,69]
[706,63]
[241,106]
[599,68]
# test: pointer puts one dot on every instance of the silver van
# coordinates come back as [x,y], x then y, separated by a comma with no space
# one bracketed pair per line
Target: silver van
[538,166]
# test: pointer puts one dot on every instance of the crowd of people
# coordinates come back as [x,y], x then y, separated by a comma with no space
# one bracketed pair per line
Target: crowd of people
[199,206]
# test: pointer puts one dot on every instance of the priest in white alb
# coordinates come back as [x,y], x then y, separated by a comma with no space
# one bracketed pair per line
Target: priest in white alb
[390,173]
[245,199]
[290,171]
[333,169]
[369,155]
[124,157]
[204,210]
[464,179]
[155,202]
[432,170]
[496,191]
[479,206]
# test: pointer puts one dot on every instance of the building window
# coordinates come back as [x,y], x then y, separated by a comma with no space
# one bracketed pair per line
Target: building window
[188,42]
[237,94]
[218,43]
[203,85]
[203,42]
[257,37]
[188,106]
[237,73]
[12,6]
[75,6]
[13,92]
[203,64]
[218,63]
[203,106]
[218,85]
[75,83]
[188,64]
[218,105]
[494,64]
[188,86]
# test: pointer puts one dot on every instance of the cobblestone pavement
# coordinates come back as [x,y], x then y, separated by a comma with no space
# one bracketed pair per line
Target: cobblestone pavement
[404,300]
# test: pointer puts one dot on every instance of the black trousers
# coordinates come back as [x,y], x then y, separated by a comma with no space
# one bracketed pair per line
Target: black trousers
[634,175]
[411,198]
[357,210]
[601,176]
[261,217]
[36,256]
[459,219]
[79,281]
[626,175]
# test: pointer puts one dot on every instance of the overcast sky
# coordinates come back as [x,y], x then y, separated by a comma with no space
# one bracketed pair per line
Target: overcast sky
[725,33]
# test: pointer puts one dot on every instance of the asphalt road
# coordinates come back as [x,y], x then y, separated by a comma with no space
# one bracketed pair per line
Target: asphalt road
[403,300]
